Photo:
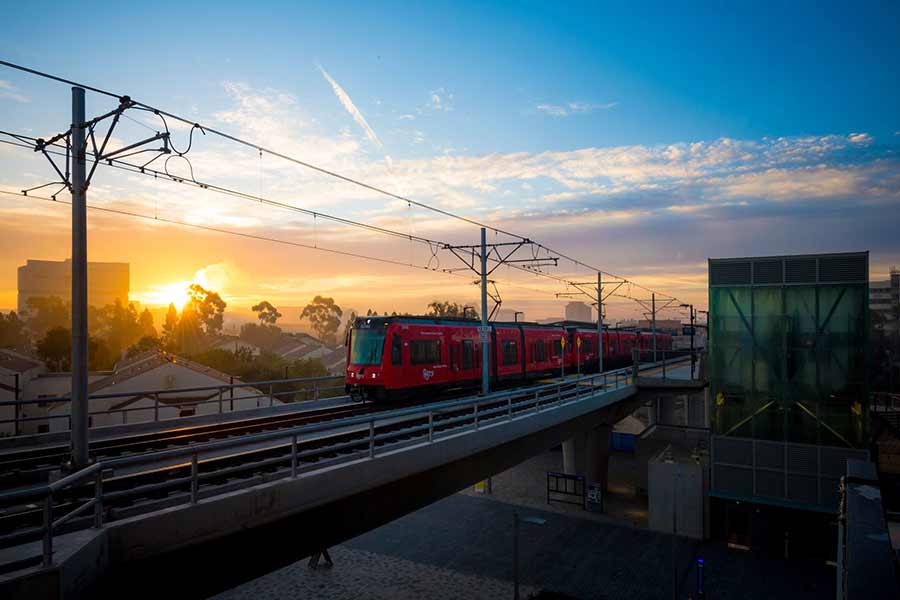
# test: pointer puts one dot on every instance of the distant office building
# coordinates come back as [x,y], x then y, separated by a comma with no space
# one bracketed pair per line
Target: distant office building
[788,390]
[42,278]
[578,311]
[884,301]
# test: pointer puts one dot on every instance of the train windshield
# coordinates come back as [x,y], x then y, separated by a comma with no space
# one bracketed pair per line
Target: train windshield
[366,346]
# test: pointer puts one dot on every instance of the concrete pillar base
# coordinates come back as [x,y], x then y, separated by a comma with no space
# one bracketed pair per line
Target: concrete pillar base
[587,454]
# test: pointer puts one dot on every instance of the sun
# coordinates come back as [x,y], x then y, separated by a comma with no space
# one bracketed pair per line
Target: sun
[170,293]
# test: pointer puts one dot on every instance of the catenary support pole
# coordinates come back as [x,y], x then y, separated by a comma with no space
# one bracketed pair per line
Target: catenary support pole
[600,322]
[653,324]
[485,346]
[79,286]
[693,357]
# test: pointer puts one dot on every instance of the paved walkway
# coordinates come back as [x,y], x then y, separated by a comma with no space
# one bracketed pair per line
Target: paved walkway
[461,547]
[360,574]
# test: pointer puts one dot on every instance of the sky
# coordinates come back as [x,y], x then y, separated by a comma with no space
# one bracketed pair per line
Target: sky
[641,140]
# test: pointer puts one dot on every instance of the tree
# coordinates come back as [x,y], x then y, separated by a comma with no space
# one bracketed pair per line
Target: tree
[208,306]
[351,319]
[170,325]
[47,312]
[188,336]
[146,323]
[268,314]
[324,316]
[264,336]
[449,309]
[118,325]
[12,331]
[101,356]
[148,342]
[55,348]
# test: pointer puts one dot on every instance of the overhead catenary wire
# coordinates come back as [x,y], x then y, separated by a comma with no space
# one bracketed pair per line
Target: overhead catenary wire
[256,237]
[131,168]
[306,164]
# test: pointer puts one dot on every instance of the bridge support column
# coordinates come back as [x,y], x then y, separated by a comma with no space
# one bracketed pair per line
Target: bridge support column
[587,454]
[573,454]
[597,455]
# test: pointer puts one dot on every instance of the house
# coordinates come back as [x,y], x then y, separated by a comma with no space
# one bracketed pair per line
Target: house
[336,360]
[299,345]
[153,385]
[233,343]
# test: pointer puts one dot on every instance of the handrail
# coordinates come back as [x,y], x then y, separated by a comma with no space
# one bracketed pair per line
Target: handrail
[523,396]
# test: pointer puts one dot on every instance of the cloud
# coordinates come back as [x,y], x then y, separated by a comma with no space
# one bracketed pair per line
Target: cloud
[8,90]
[624,203]
[348,105]
[570,108]
[440,99]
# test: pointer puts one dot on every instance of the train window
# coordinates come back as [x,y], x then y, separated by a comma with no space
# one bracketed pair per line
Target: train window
[422,352]
[510,352]
[396,350]
[585,345]
[468,354]
[557,348]
[366,346]
[540,352]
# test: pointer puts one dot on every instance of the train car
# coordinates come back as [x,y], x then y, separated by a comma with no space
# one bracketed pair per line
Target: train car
[389,357]
[392,357]
[508,353]
[581,346]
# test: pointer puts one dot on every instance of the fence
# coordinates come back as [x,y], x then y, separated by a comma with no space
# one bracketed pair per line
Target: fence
[163,404]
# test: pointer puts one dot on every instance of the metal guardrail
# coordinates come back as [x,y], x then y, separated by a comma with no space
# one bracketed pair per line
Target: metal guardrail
[505,405]
[221,395]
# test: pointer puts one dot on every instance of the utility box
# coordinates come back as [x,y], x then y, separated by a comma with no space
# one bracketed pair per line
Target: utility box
[676,490]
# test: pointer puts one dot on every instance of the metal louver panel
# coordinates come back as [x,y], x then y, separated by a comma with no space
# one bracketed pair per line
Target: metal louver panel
[768,271]
[729,273]
[800,270]
[844,268]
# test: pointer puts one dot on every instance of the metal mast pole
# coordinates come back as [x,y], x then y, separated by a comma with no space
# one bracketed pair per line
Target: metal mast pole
[600,321]
[693,358]
[79,431]
[653,326]
[485,348]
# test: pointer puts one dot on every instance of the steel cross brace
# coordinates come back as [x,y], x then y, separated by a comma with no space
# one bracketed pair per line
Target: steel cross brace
[98,153]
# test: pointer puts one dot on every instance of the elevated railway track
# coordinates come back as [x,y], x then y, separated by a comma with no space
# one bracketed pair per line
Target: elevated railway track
[148,472]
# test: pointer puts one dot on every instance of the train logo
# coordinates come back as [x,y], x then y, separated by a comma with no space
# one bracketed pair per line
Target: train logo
[426,374]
